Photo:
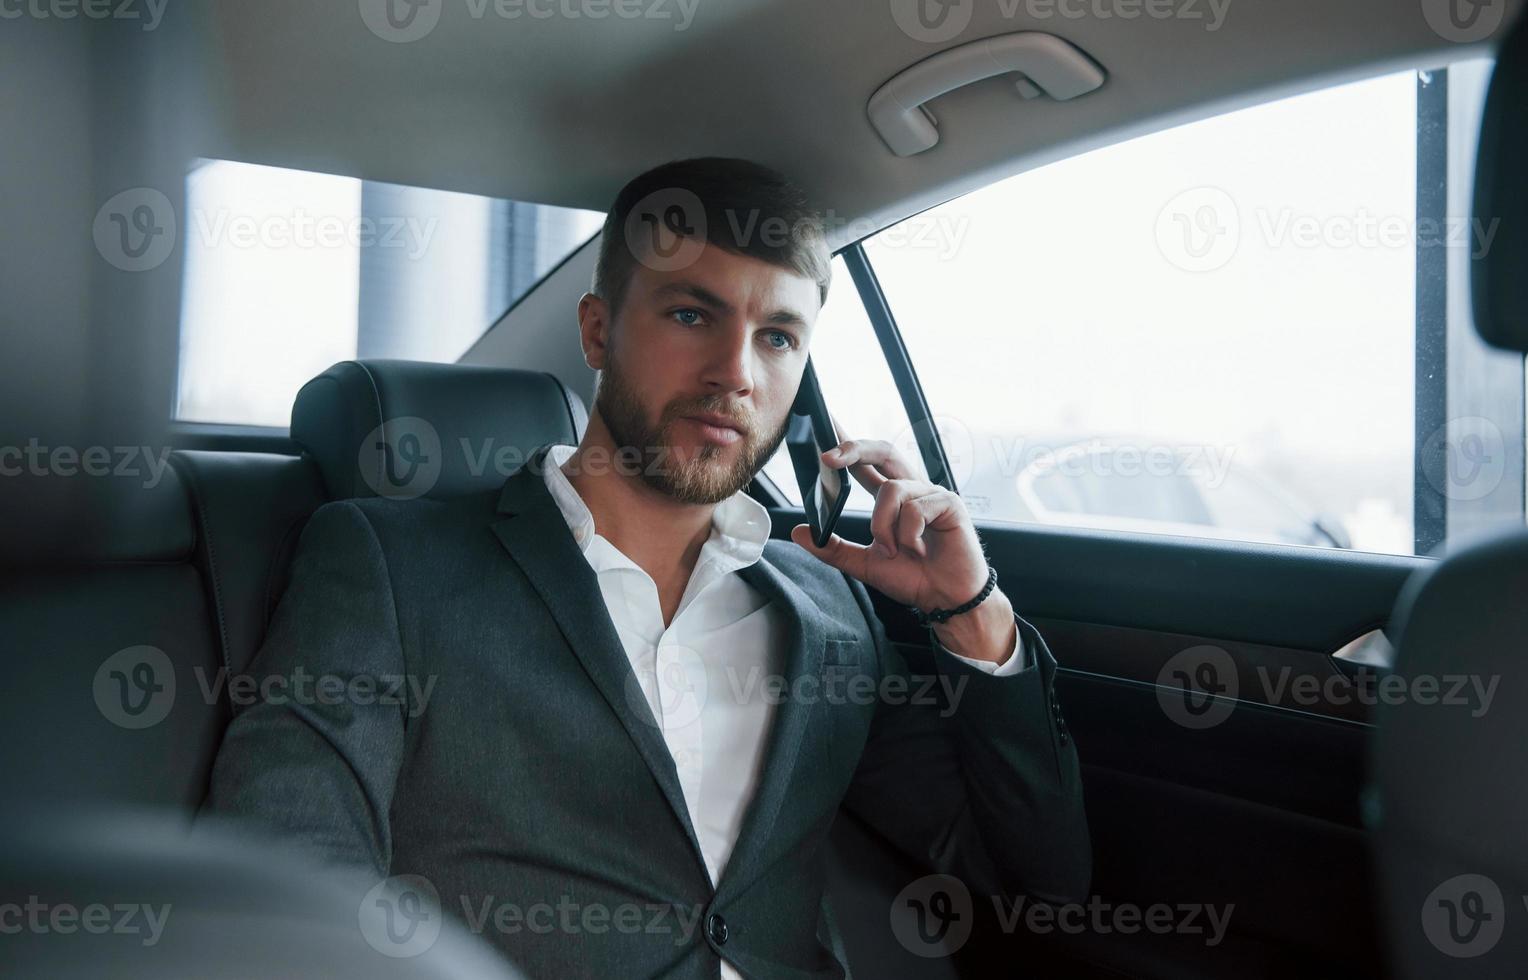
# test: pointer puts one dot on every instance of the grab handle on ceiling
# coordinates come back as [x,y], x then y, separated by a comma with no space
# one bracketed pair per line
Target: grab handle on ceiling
[1047,65]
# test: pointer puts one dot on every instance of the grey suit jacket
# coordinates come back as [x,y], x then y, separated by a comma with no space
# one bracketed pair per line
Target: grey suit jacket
[519,770]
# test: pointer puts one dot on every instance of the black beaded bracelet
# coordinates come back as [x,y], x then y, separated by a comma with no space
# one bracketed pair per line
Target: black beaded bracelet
[943,615]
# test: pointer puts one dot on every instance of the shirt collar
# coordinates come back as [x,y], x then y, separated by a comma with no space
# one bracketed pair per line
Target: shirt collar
[739,525]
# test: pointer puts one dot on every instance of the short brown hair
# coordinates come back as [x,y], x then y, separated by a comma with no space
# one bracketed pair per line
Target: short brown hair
[743,207]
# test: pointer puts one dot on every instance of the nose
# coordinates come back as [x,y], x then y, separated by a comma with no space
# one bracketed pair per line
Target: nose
[730,361]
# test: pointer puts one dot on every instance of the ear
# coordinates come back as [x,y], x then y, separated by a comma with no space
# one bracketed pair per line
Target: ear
[594,330]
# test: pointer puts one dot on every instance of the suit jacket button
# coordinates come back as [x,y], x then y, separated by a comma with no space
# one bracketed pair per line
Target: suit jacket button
[716,928]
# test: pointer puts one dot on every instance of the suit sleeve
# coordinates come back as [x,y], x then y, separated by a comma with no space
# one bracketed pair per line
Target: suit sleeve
[313,751]
[984,784]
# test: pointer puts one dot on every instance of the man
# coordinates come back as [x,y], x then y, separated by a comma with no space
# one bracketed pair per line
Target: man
[645,714]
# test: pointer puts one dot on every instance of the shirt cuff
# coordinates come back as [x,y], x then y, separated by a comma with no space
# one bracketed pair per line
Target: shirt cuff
[1016,661]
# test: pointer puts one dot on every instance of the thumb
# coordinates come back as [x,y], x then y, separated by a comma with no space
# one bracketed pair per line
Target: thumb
[835,552]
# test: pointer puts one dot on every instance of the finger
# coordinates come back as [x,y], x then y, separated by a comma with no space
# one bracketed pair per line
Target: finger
[911,521]
[883,519]
[871,462]
[890,460]
[863,473]
[921,511]
[879,453]
[941,509]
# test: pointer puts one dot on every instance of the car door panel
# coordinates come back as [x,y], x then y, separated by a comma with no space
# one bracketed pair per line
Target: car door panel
[1257,815]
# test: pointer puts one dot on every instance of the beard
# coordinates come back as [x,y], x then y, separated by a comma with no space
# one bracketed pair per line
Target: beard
[708,475]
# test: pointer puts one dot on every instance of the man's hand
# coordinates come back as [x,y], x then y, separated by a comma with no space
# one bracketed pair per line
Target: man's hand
[924,550]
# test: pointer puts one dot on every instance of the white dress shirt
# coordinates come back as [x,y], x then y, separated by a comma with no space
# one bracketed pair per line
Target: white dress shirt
[704,675]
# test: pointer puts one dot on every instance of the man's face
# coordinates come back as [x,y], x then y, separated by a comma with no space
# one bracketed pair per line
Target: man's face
[726,335]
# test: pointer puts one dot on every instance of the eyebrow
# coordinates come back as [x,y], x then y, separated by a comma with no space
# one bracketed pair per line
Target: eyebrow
[781,317]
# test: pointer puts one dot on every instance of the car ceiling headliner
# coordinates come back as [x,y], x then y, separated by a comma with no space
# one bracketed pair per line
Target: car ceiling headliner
[563,110]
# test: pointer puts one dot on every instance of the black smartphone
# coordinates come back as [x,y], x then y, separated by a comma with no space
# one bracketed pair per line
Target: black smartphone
[808,435]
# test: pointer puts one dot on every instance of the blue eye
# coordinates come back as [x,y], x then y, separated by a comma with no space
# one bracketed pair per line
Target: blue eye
[684,316]
[790,341]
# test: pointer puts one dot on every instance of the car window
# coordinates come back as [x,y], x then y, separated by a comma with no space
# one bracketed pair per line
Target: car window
[1214,329]
[288,272]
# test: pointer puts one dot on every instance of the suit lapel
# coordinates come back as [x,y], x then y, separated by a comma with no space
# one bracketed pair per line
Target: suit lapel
[536,536]
[792,723]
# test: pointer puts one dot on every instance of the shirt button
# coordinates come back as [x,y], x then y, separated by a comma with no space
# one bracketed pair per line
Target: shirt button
[716,928]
